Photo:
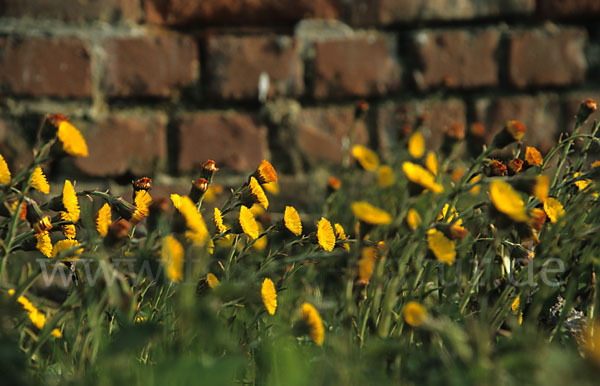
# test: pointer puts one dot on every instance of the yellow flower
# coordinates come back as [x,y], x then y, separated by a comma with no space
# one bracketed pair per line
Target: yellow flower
[366,263]
[248,222]
[325,235]
[70,202]
[533,157]
[366,157]
[103,220]
[39,182]
[44,244]
[197,232]
[254,194]
[421,176]
[218,218]
[385,176]
[68,230]
[541,187]
[431,163]
[265,173]
[38,318]
[4,172]
[142,201]
[64,245]
[260,243]
[414,314]
[212,281]
[269,296]
[172,258]
[554,209]
[313,320]
[272,187]
[451,217]
[441,246]
[72,140]
[413,219]
[292,221]
[56,333]
[369,214]
[507,201]
[341,236]
[416,145]
[582,184]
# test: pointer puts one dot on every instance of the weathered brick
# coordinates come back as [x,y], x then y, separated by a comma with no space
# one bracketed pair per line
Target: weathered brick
[570,8]
[356,67]
[437,116]
[37,66]
[234,65]
[547,57]
[73,10]
[456,59]
[321,130]
[385,12]
[125,142]
[232,140]
[540,114]
[219,12]
[149,66]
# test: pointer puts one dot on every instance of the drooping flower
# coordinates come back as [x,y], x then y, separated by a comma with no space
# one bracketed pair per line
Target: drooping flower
[218,219]
[416,145]
[269,296]
[254,194]
[413,219]
[103,220]
[414,314]
[533,157]
[66,244]
[212,281]
[4,171]
[441,246]
[420,176]
[292,221]
[197,231]
[340,235]
[507,201]
[265,173]
[325,235]
[385,176]
[554,209]
[70,202]
[72,140]
[44,244]
[39,182]
[313,320]
[172,258]
[431,163]
[248,222]
[366,157]
[369,214]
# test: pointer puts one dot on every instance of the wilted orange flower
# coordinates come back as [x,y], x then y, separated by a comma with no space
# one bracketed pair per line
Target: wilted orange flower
[554,209]
[103,219]
[70,202]
[533,157]
[325,235]
[171,256]
[72,140]
[212,281]
[265,173]
[44,244]
[495,168]
[313,320]
[248,222]
[39,182]
[431,163]
[369,214]
[457,232]
[507,201]
[441,246]
[416,145]
[67,244]
[366,157]
[4,171]
[422,177]
[413,219]
[341,236]
[385,176]
[292,221]
[414,314]
[269,295]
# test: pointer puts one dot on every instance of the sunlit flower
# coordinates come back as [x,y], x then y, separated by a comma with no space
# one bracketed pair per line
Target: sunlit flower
[369,214]
[44,244]
[103,219]
[413,219]
[292,221]
[414,314]
[254,194]
[365,264]
[265,173]
[197,228]
[68,229]
[72,140]
[420,176]
[70,202]
[39,182]
[533,157]
[340,235]
[218,219]
[431,163]
[272,187]
[441,246]
[66,244]
[554,209]
[313,320]
[416,145]
[171,256]
[269,295]
[248,222]
[385,176]
[366,157]
[142,202]
[212,281]
[507,201]
[56,333]
[325,235]
[4,171]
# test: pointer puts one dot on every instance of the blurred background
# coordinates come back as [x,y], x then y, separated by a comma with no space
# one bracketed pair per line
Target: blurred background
[159,86]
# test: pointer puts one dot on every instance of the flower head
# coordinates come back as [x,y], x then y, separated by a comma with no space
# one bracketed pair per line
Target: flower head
[366,157]
[533,157]
[70,202]
[265,173]
[513,131]
[369,214]
[421,176]
[368,256]
[554,209]
[385,176]
[333,183]
[4,171]
[39,182]
[171,256]
[212,281]
[254,194]
[341,236]
[37,317]
[496,168]
[248,222]
[72,140]
[292,221]
[413,219]
[44,244]
[142,202]
[325,235]
[197,231]
[68,229]
[431,163]
[269,295]
[103,220]
[441,246]
[313,320]
[514,166]
[67,244]
[507,201]
[416,145]
[218,219]
[414,314]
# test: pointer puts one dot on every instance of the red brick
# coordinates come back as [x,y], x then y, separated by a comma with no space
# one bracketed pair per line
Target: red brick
[549,57]
[73,10]
[456,59]
[355,67]
[39,66]
[234,65]
[540,115]
[219,12]
[125,142]
[438,115]
[149,66]
[569,8]
[385,12]
[232,140]
[321,130]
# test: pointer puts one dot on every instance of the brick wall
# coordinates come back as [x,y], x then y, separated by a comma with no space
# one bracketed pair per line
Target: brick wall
[159,86]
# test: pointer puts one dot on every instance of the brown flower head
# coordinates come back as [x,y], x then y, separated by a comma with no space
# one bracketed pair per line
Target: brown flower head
[514,166]
[513,131]
[587,108]
[495,168]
